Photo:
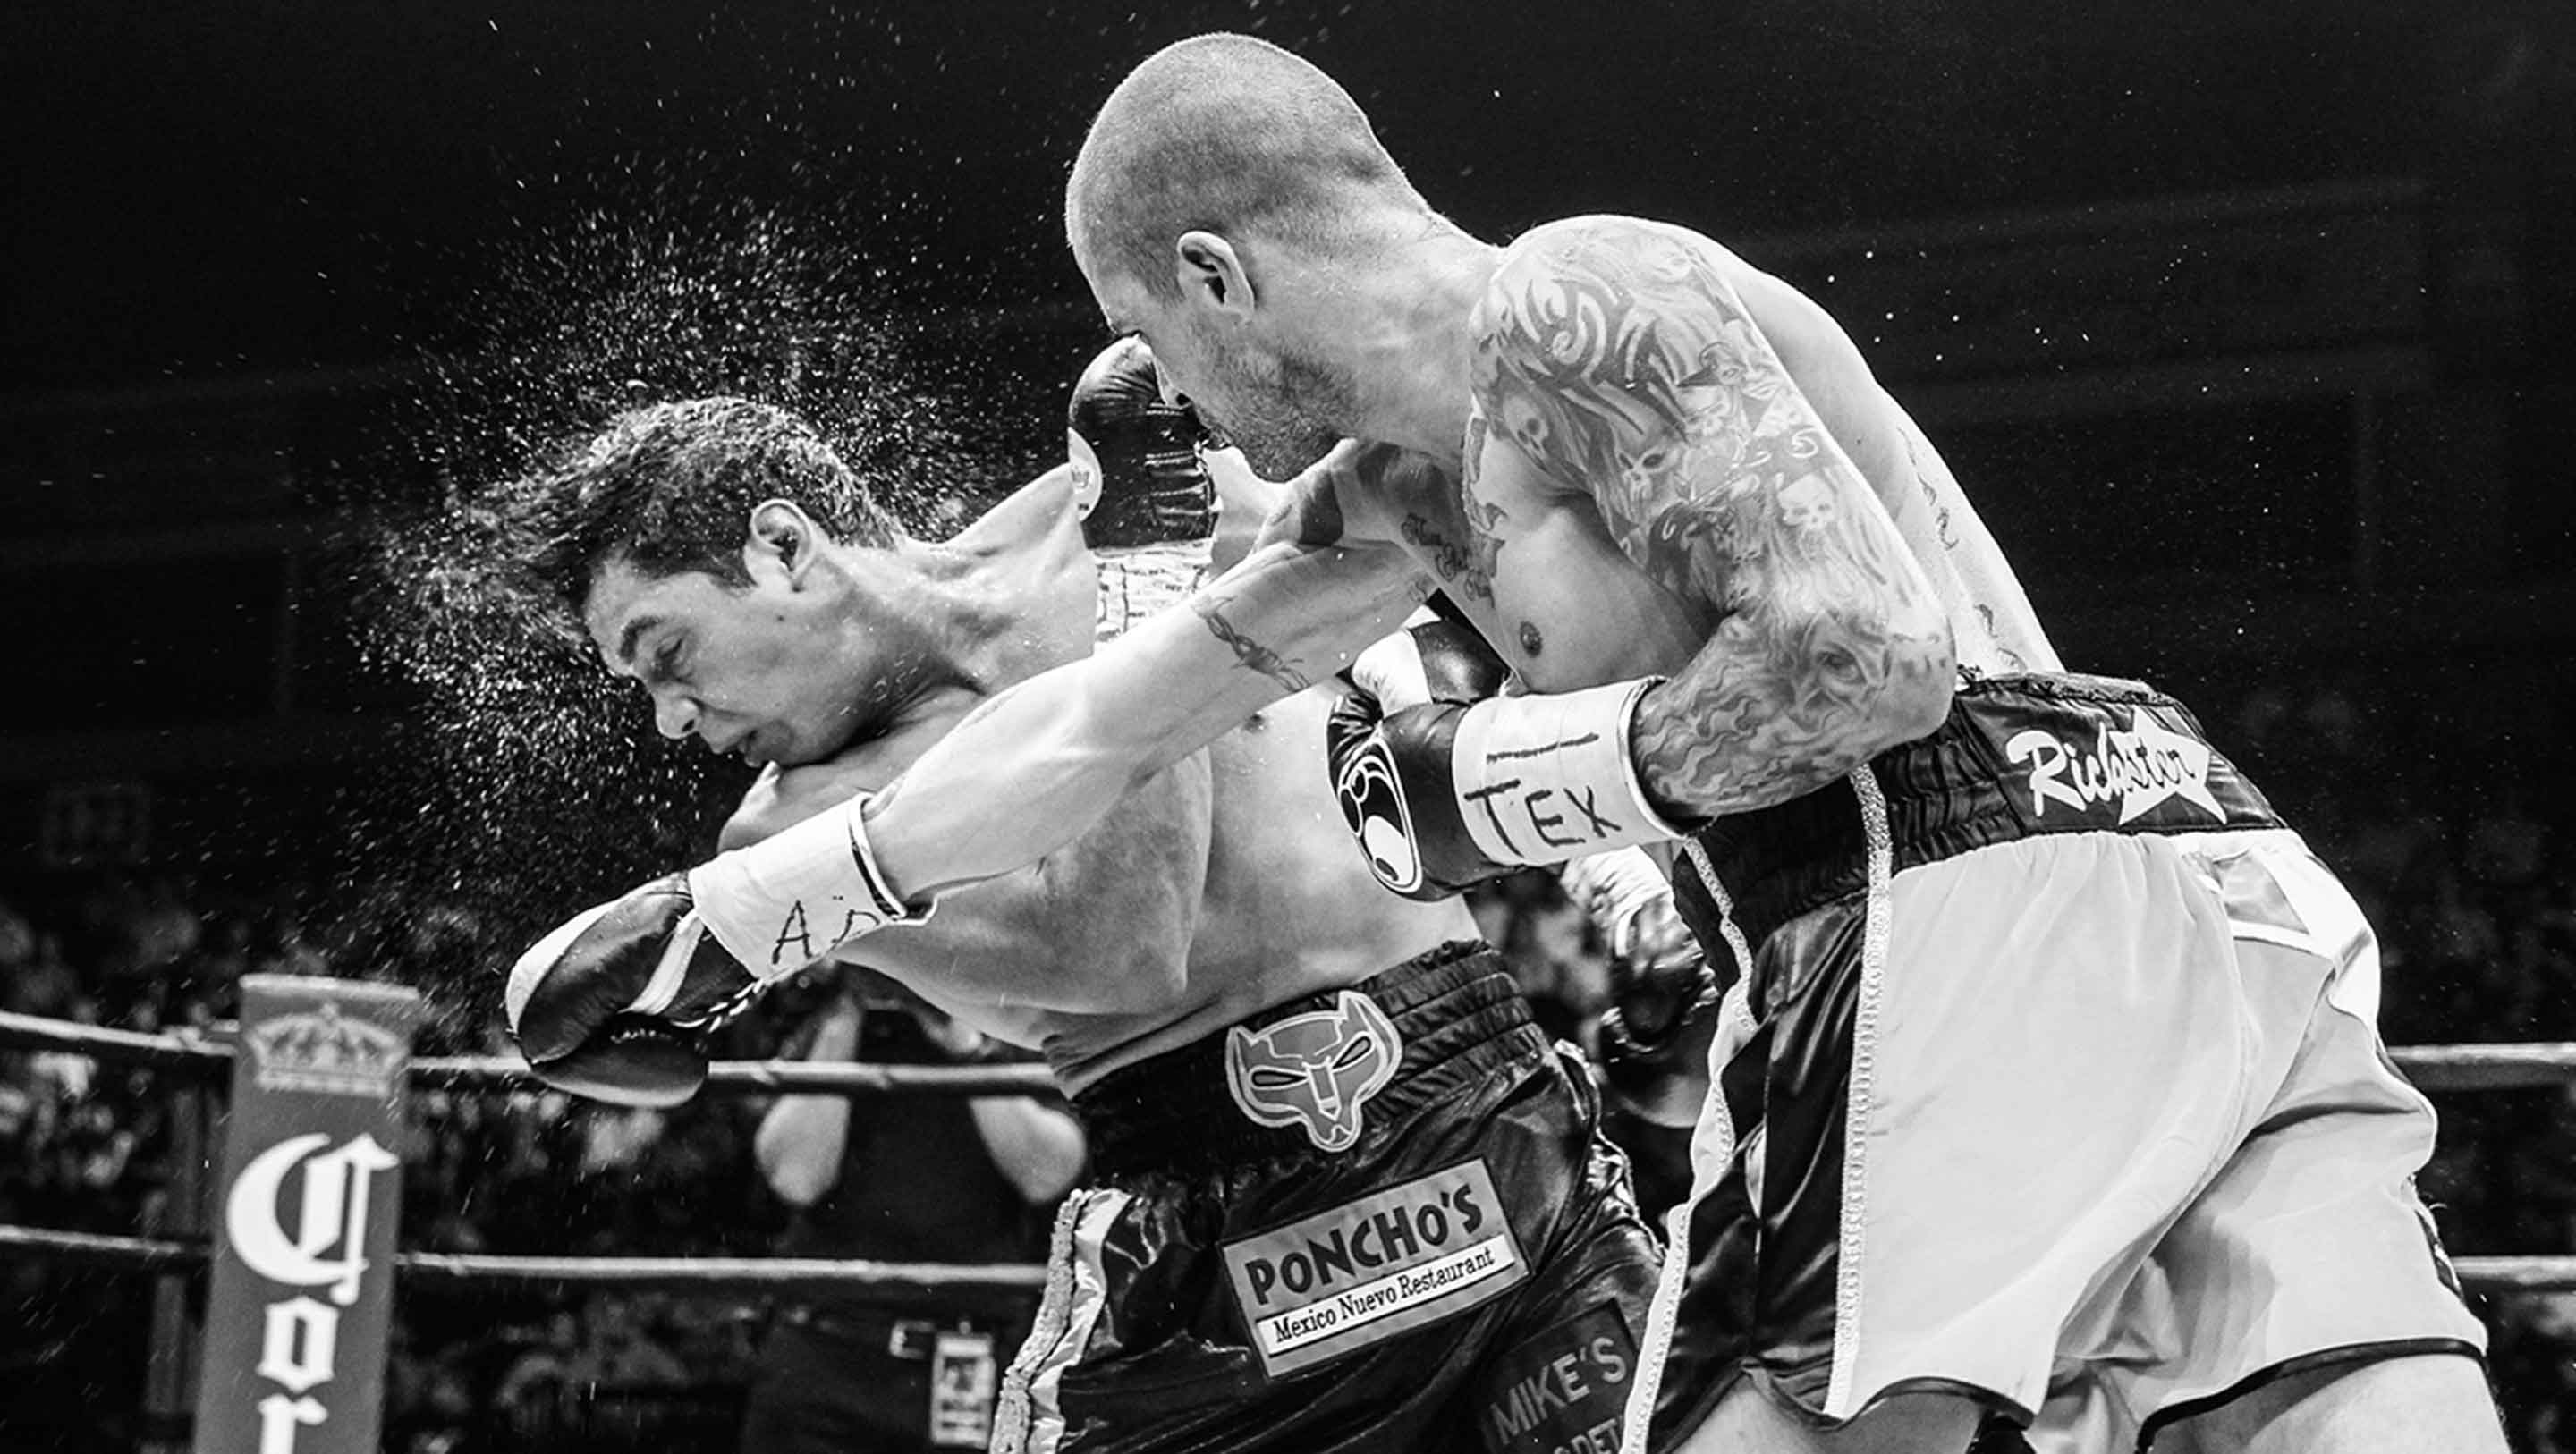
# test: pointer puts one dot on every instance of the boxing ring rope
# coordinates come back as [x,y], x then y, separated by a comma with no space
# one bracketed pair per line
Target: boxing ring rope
[211,1056]
[658,1274]
[198,1055]
[800,1077]
[706,1274]
[2487,1067]
[2431,1067]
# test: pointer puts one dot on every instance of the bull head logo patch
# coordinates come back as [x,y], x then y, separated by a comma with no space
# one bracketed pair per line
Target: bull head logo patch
[1314,1070]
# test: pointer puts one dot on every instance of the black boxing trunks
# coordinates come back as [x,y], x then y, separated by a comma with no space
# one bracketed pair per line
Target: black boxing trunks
[1369,1219]
[2054,1081]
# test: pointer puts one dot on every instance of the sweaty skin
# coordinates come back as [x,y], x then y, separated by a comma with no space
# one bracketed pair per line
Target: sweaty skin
[1218,886]
[1665,462]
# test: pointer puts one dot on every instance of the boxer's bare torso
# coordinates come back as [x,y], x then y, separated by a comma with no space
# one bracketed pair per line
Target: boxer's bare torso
[1215,888]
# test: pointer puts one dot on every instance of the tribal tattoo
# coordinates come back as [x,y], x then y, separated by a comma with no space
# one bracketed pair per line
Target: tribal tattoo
[1931,490]
[1620,359]
[1251,653]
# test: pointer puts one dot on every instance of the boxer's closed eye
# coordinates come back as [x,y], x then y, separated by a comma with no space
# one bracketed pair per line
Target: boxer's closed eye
[664,666]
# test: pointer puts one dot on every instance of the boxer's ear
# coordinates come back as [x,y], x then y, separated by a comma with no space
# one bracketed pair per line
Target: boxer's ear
[1212,274]
[781,542]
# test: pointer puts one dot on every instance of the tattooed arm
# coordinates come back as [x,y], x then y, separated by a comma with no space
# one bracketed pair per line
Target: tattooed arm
[1030,768]
[1616,362]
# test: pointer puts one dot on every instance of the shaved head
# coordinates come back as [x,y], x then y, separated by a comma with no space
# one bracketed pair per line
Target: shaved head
[1234,136]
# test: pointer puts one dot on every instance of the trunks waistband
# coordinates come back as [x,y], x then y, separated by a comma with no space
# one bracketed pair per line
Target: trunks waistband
[1457,1012]
[2017,756]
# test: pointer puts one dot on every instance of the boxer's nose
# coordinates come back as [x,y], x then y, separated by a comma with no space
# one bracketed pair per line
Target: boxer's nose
[674,716]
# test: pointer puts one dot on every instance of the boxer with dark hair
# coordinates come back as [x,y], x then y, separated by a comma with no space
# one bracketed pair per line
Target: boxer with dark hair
[1343,1193]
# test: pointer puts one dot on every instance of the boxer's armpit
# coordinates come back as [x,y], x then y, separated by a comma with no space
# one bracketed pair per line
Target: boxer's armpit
[1101,925]
[1615,354]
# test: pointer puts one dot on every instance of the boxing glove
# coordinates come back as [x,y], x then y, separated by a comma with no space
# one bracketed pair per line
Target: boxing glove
[1449,792]
[614,1004]
[1660,980]
[1138,478]
[1388,741]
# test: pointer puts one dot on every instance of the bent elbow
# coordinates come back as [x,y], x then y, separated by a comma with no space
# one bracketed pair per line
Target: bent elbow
[1918,696]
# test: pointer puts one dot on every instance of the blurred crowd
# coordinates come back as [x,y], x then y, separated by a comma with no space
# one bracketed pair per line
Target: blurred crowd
[2463,867]
[88,1144]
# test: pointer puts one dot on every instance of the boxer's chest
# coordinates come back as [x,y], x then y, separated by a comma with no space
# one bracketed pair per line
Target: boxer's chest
[1542,581]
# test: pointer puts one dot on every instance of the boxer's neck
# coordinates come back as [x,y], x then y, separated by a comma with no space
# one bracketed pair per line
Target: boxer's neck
[1407,325]
[1015,587]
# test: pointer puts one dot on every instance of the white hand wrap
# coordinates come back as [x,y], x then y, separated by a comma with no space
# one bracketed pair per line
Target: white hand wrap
[1391,668]
[1615,889]
[1544,779]
[788,900]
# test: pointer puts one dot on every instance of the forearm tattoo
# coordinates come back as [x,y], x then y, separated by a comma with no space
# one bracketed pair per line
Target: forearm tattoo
[1616,355]
[1251,653]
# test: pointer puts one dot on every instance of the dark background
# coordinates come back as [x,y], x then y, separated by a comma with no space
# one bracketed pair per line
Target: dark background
[2247,325]
[2236,297]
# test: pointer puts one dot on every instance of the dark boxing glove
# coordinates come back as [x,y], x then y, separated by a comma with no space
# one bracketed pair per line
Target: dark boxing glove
[1385,763]
[1450,791]
[1664,991]
[615,1004]
[1137,472]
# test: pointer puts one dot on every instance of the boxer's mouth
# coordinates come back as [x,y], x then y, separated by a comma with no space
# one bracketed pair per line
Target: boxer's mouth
[746,747]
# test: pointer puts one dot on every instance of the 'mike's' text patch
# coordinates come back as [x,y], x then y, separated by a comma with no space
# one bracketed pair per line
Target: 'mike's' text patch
[1564,1391]
[1369,1269]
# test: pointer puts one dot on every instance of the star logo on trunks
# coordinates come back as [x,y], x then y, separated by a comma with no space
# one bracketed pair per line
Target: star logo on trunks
[2141,768]
[1372,799]
[1314,1070]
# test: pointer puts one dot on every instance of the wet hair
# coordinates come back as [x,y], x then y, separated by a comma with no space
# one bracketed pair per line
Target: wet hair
[670,488]
[1232,135]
